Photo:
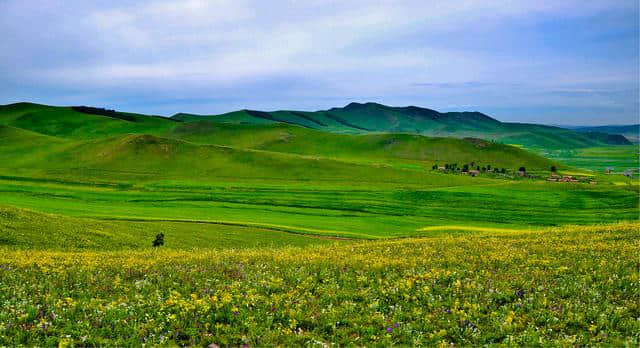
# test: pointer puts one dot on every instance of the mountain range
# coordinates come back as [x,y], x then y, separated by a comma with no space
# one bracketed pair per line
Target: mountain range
[631,131]
[372,117]
[356,118]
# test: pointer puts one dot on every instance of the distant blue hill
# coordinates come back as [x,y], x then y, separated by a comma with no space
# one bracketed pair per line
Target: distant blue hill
[631,131]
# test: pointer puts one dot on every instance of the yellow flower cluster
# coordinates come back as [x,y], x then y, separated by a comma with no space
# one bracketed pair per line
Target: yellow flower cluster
[574,285]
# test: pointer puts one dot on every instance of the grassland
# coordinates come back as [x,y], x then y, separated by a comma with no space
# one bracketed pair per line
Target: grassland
[357,118]
[26,229]
[598,159]
[571,286]
[280,234]
[280,177]
[331,209]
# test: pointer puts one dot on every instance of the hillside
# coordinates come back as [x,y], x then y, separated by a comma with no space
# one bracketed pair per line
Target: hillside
[372,117]
[69,122]
[360,148]
[631,132]
[71,137]
[87,123]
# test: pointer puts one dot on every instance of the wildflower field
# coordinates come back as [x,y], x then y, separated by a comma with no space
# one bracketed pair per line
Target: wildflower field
[138,230]
[569,286]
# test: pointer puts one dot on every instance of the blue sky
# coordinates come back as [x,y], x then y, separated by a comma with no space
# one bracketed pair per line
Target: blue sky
[553,62]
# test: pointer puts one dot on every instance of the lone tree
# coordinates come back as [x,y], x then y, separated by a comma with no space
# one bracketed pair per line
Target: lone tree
[159,241]
[553,169]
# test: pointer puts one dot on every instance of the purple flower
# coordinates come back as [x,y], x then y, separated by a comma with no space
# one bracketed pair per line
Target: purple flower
[470,325]
[396,325]
[389,330]
[235,313]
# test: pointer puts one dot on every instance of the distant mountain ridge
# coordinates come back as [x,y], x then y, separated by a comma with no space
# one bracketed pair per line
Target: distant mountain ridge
[98,143]
[355,118]
[373,117]
[631,131]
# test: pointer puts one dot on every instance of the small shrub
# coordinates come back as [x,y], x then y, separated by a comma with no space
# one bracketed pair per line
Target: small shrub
[159,241]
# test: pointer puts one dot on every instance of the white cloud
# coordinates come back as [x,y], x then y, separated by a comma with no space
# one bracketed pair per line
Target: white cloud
[353,48]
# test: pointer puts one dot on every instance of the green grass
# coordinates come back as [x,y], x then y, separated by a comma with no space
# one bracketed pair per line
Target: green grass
[335,210]
[420,151]
[598,159]
[574,286]
[280,234]
[67,123]
[282,177]
[352,119]
[358,118]
[25,229]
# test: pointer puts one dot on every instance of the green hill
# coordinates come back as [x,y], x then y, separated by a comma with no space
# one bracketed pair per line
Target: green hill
[152,157]
[373,117]
[631,132]
[360,148]
[106,165]
[81,137]
[87,123]
[67,122]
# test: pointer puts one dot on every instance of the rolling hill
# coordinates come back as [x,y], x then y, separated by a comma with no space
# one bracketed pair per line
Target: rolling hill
[372,117]
[365,147]
[105,169]
[631,132]
[46,137]
[88,123]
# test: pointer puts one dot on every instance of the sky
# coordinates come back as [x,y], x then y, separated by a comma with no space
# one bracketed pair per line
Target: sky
[569,62]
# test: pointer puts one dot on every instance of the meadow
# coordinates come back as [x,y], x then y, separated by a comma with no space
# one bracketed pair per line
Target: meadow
[277,234]
[570,286]
[364,211]
[618,158]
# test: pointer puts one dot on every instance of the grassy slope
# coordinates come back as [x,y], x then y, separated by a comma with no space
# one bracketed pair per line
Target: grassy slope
[372,117]
[140,157]
[25,229]
[69,124]
[631,132]
[620,158]
[278,176]
[66,123]
[298,140]
[370,210]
